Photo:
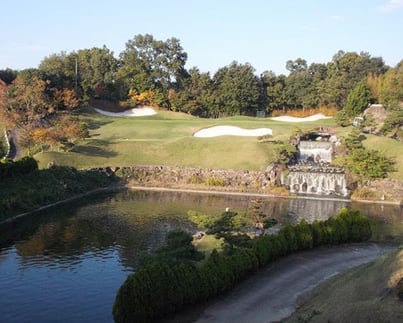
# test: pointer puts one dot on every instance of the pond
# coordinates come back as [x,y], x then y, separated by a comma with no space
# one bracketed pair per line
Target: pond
[66,264]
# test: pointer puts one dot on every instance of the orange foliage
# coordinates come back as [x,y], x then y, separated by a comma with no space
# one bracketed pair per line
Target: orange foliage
[143,98]
[109,105]
[65,99]
[70,100]
[39,134]
[327,111]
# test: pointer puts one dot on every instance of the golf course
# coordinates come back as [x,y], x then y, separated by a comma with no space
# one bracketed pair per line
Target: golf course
[167,138]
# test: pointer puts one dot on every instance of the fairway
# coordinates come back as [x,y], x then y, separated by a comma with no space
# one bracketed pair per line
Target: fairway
[167,139]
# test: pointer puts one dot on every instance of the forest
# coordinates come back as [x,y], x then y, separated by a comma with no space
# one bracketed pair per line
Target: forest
[152,72]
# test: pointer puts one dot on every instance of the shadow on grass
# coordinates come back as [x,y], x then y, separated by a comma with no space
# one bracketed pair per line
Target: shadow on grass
[96,124]
[94,151]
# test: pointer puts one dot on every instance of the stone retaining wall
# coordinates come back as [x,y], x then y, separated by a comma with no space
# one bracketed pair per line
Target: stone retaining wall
[180,177]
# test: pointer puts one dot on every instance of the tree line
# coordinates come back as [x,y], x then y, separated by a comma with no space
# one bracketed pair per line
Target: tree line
[161,287]
[152,72]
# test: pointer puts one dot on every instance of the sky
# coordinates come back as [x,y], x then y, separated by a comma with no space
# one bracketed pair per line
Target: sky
[213,33]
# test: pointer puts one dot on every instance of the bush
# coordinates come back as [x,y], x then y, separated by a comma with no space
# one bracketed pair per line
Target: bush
[155,290]
[25,165]
[317,234]
[215,182]
[288,232]
[304,235]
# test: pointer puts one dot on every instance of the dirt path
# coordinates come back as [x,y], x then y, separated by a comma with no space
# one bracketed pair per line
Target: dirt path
[15,149]
[271,295]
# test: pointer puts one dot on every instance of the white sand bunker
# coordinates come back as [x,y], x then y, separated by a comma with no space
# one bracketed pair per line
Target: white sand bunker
[231,131]
[314,117]
[135,112]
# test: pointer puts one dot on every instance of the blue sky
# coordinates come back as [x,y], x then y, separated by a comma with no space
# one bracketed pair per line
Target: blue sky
[264,33]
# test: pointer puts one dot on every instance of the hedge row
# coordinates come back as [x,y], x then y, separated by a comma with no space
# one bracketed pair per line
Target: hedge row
[9,168]
[160,289]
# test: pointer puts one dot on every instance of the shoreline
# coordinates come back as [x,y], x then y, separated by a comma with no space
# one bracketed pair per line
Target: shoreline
[67,200]
[233,193]
[191,191]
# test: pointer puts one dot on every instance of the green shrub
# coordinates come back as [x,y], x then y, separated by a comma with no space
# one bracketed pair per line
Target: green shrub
[215,182]
[196,179]
[288,231]
[25,165]
[154,291]
[202,220]
[317,234]
[304,235]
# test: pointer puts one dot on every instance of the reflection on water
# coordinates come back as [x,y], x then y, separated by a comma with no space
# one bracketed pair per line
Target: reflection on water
[66,264]
[386,221]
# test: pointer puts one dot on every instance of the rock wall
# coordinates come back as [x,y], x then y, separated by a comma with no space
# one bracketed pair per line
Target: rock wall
[197,178]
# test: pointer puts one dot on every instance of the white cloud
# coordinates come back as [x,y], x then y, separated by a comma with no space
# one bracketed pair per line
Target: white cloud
[391,5]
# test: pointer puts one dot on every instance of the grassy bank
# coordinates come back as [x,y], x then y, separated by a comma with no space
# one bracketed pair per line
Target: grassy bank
[27,192]
[167,139]
[364,294]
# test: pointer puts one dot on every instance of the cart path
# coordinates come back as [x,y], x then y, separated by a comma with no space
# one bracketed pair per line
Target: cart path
[271,294]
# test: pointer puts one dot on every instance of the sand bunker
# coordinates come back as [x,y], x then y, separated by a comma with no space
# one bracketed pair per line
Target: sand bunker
[135,112]
[231,131]
[314,117]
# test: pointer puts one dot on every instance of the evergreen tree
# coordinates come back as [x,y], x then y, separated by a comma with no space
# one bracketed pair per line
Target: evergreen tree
[358,99]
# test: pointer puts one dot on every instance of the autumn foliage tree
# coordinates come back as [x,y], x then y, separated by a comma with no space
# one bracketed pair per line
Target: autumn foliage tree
[40,113]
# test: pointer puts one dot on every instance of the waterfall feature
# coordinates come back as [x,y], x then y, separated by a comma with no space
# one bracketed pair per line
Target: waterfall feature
[327,180]
[313,174]
[315,151]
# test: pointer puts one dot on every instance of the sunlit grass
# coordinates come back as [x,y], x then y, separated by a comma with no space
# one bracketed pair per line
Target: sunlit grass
[392,148]
[167,139]
[208,243]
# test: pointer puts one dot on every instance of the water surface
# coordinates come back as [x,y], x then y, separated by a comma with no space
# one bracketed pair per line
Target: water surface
[65,264]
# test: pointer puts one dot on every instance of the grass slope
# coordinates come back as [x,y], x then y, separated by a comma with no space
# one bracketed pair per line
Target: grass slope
[167,139]
[363,294]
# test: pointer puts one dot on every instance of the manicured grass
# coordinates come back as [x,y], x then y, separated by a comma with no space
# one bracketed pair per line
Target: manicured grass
[391,148]
[167,139]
